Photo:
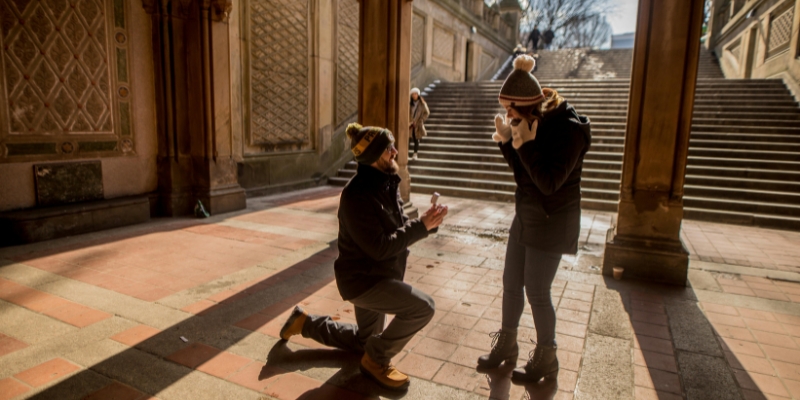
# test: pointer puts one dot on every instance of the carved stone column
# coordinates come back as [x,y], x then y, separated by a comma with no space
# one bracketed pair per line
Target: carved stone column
[195,154]
[384,73]
[647,241]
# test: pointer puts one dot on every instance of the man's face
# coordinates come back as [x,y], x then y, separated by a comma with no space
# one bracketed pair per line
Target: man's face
[387,163]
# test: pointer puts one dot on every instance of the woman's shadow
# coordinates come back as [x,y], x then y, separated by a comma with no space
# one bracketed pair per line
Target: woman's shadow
[500,385]
[282,359]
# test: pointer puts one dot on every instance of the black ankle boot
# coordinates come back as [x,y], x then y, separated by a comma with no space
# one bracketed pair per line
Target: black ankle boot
[504,348]
[543,363]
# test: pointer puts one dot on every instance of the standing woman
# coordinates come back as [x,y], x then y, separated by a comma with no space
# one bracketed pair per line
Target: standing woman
[419,113]
[544,140]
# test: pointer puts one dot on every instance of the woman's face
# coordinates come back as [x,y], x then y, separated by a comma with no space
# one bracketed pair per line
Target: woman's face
[512,113]
[414,96]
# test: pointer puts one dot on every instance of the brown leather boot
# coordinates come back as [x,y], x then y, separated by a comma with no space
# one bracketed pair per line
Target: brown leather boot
[294,324]
[387,376]
[543,363]
[504,348]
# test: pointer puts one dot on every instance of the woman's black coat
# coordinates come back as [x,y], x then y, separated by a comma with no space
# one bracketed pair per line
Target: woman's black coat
[548,175]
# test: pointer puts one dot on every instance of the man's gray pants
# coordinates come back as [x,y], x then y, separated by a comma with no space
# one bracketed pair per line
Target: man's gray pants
[412,310]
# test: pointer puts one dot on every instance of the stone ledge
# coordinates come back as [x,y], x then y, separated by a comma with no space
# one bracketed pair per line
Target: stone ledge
[39,224]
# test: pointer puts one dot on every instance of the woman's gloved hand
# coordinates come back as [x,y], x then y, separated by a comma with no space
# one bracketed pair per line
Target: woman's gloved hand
[523,132]
[502,132]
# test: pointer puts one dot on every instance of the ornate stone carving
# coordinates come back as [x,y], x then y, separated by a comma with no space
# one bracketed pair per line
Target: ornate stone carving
[417,40]
[347,60]
[443,45]
[56,58]
[780,32]
[220,9]
[279,75]
[488,63]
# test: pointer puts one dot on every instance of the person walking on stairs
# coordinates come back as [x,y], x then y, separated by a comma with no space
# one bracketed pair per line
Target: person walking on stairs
[533,39]
[374,236]
[547,38]
[544,141]
[419,112]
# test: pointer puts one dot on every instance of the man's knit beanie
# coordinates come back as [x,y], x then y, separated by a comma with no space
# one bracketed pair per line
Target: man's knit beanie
[521,88]
[368,142]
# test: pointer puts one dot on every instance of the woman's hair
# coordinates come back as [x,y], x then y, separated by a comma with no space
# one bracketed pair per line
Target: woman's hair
[537,111]
[411,102]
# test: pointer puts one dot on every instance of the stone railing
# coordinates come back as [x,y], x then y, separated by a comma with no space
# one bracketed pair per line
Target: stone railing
[490,16]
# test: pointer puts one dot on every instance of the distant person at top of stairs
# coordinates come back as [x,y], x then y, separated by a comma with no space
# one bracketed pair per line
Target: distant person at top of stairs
[547,38]
[533,39]
[544,140]
[419,113]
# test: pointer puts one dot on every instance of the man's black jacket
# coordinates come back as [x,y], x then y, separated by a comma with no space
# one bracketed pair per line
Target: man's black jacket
[548,175]
[374,233]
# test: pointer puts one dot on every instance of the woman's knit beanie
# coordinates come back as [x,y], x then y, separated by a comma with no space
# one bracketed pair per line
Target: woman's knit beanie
[521,88]
[368,142]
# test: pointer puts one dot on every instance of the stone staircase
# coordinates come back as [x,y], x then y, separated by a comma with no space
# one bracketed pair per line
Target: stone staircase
[744,152]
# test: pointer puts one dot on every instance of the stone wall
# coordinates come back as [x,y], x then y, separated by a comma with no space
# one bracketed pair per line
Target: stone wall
[82,81]
[457,41]
[297,62]
[77,86]
[758,39]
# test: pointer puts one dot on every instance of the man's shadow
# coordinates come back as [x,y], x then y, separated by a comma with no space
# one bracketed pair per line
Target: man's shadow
[282,359]
[500,385]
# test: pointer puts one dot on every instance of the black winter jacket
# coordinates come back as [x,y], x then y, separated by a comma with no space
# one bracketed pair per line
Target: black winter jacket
[374,233]
[548,175]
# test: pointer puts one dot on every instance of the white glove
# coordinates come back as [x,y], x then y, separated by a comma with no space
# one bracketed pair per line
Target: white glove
[502,132]
[523,132]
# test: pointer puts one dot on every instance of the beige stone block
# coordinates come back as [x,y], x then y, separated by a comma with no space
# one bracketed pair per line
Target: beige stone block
[96,352]
[29,326]
[60,344]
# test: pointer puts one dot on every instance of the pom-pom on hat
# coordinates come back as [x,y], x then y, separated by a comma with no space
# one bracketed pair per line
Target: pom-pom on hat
[368,142]
[521,88]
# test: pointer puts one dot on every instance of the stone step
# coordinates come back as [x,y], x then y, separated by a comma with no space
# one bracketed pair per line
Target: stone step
[743,163]
[610,178]
[622,94]
[746,145]
[736,205]
[727,161]
[746,153]
[741,218]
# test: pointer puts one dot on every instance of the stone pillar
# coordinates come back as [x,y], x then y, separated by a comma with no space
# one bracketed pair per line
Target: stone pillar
[713,27]
[193,83]
[322,56]
[473,72]
[384,73]
[646,240]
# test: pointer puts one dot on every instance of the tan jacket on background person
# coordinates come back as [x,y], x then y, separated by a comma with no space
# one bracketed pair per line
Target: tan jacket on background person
[418,116]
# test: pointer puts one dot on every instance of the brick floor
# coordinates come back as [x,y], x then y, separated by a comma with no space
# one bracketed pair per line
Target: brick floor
[188,272]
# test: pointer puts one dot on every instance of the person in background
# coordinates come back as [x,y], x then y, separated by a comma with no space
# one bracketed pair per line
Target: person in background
[533,39]
[548,37]
[419,112]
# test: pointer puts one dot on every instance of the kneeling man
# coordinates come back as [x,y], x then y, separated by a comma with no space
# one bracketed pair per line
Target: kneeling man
[374,236]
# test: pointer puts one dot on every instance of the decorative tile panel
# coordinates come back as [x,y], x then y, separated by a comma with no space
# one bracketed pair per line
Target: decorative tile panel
[780,32]
[347,60]
[417,40]
[443,45]
[279,73]
[56,59]
[736,49]
[488,63]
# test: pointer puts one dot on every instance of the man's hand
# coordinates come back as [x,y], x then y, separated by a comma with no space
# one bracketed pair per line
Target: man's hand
[434,216]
